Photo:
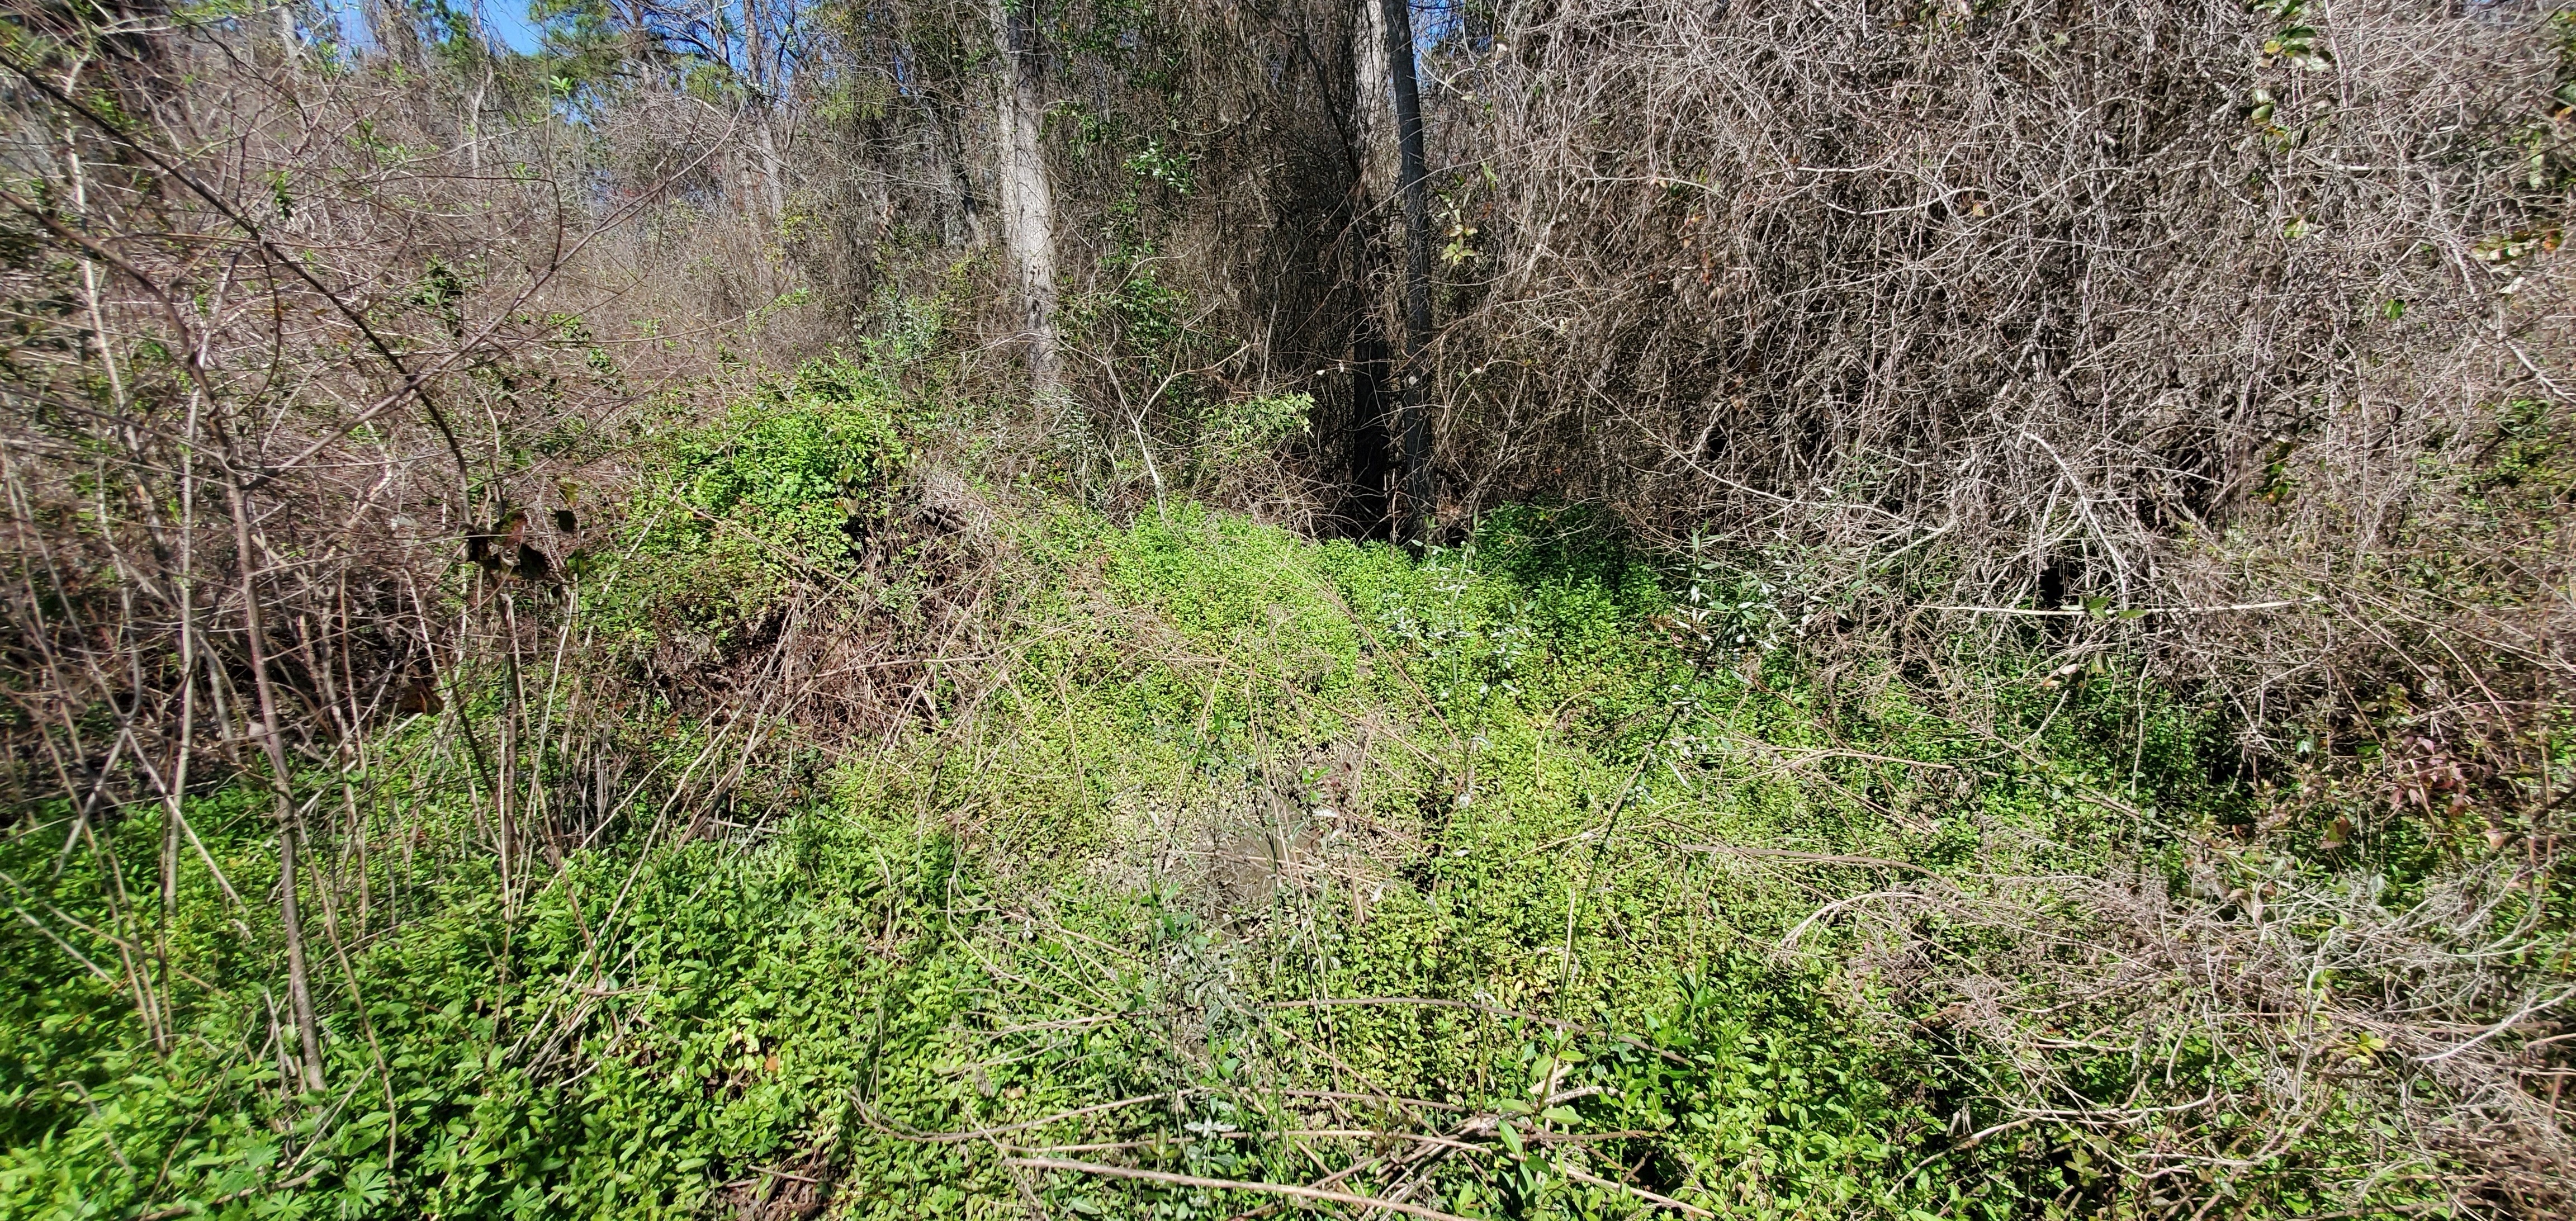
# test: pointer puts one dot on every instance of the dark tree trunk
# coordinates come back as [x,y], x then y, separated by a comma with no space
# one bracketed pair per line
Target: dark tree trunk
[1412,384]
[1375,421]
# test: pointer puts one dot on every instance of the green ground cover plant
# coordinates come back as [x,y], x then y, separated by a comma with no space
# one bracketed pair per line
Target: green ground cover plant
[1526,878]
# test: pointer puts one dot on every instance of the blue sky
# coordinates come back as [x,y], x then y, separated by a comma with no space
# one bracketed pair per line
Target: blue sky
[506,20]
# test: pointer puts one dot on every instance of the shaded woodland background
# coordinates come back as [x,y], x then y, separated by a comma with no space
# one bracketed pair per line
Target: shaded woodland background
[2227,338]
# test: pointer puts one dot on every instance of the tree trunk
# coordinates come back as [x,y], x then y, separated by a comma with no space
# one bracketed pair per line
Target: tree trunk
[1028,206]
[1412,385]
[966,225]
[1373,134]
[1374,408]
[764,96]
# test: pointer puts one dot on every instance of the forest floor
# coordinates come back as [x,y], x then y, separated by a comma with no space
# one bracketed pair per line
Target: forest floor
[1540,876]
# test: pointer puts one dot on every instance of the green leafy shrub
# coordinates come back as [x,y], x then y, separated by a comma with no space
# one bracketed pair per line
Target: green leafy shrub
[791,485]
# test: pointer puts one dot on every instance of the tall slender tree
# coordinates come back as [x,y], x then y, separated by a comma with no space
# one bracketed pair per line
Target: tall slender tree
[1028,203]
[1412,383]
[765,57]
[1371,140]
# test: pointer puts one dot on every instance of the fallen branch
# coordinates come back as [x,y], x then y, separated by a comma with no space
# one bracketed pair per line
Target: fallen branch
[950,1138]
[1191,1180]
[1820,858]
[2120,612]
[1639,1192]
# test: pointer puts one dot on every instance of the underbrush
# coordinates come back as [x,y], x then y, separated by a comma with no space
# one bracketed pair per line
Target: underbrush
[2060,705]
[1521,879]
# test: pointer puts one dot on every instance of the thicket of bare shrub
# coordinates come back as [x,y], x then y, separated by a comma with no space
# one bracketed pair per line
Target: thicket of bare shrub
[2026,303]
